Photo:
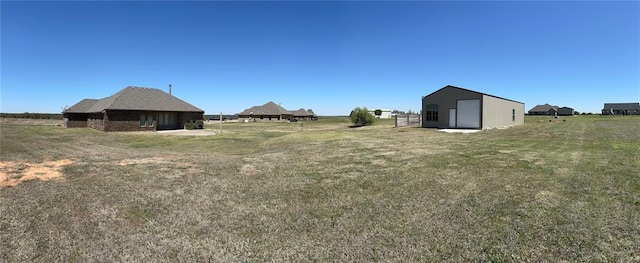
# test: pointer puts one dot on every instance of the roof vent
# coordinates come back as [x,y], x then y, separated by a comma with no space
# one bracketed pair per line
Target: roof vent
[169,88]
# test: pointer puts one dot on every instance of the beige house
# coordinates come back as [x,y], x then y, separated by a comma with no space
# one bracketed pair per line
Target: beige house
[455,107]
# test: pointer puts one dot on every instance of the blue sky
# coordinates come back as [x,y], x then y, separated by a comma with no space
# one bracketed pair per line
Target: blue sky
[327,56]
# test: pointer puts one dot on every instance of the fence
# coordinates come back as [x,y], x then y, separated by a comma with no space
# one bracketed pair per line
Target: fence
[409,120]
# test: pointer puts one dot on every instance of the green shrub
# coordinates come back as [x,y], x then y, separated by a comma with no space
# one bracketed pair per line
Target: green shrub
[361,117]
[193,125]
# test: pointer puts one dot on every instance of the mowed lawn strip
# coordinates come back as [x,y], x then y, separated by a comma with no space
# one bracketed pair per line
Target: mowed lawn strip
[549,190]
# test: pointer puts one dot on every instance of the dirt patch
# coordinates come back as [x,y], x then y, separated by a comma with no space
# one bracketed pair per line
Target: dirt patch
[14,173]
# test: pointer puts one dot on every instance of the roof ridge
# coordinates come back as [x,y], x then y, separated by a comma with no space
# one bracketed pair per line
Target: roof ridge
[478,92]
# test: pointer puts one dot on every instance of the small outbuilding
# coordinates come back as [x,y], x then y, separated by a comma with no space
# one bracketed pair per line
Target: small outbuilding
[384,113]
[132,109]
[455,107]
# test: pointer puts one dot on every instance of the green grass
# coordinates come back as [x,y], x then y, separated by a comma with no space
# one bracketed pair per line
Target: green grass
[321,191]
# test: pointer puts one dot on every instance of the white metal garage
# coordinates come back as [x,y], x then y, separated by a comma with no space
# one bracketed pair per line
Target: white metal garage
[468,114]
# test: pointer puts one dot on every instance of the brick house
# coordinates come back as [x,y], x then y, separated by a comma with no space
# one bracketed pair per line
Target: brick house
[302,114]
[546,109]
[267,112]
[132,109]
[631,108]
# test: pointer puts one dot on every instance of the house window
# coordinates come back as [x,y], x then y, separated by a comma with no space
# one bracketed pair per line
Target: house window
[149,120]
[513,114]
[431,112]
[143,121]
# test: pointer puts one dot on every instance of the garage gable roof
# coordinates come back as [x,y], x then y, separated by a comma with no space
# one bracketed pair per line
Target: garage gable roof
[454,87]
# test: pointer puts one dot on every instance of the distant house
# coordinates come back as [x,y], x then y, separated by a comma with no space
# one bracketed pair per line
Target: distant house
[386,113]
[546,109]
[267,112]
[132,109]
[566,111]
[621,108]
[395,113]
[455,107]
[302,114]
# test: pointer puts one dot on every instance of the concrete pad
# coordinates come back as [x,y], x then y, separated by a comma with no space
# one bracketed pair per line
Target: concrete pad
[459,130]
[201,132]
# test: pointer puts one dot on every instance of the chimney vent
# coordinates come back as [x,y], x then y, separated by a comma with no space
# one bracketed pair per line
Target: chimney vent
[169,88]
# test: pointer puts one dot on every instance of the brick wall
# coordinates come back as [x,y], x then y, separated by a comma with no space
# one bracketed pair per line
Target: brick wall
[95,121]
[115,120]
[75,120]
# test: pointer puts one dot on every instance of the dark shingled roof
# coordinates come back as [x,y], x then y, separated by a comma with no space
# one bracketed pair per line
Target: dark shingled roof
[269,108]
[82,106]
[301,113]
[135,98]
[543,108]
[622,106]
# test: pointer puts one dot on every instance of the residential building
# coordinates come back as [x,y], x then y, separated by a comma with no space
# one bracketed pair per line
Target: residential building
[632,108]
[132,109]
[546,110]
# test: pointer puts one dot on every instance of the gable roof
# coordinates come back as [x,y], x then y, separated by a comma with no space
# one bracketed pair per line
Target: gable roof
[622,106]
[543,108]
[269,108]
[301,112]
[134,98]
[454,87]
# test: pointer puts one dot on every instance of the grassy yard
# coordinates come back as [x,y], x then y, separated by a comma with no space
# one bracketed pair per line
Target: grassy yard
[321,191]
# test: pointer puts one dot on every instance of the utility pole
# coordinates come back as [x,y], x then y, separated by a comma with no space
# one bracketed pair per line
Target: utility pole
[220,123]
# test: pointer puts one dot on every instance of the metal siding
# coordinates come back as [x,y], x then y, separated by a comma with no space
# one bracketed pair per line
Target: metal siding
[497,112]
[445,99]
[468,114]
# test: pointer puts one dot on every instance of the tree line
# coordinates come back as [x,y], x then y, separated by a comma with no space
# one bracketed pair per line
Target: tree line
[28,115]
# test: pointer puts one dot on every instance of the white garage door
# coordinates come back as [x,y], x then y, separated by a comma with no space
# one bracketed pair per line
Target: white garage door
[469,114]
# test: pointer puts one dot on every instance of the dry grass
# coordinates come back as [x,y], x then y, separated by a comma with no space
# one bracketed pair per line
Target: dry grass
[320,191]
